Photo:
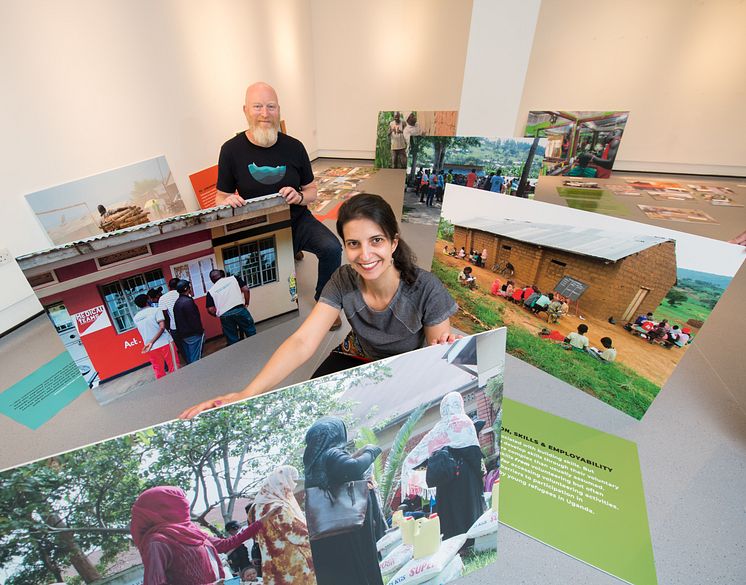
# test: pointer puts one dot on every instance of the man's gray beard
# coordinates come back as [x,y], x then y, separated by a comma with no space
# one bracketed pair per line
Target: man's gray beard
[264,136]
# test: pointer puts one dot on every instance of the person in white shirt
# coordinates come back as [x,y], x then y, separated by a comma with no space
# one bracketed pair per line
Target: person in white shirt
[578,340]
[151,324]
[227,299]
[608,354]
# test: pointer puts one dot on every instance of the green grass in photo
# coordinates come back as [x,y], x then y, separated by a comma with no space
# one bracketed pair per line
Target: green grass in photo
[478,560]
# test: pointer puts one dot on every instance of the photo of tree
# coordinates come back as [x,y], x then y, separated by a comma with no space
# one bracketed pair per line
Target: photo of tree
[70,518]
[395,130]
[501,165]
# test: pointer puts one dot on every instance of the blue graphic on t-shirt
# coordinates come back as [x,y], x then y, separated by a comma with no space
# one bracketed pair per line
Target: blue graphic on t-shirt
[267,175]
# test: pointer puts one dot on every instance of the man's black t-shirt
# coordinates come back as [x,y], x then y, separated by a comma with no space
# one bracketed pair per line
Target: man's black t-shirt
[255,171]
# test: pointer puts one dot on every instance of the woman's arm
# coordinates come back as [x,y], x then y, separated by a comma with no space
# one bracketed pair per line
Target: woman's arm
[343,467]
[225,545]
[440,333]
[293,353]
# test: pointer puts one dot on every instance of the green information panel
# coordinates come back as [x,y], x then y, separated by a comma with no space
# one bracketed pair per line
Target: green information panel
[576,489]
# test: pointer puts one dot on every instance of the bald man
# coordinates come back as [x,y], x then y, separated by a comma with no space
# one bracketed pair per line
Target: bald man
[261,161]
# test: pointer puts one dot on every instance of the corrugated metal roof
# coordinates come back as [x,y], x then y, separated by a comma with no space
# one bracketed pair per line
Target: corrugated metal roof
[146,230]
[595,242]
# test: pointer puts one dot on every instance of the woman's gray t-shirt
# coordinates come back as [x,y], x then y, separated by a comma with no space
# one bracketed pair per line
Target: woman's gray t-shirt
[399,327]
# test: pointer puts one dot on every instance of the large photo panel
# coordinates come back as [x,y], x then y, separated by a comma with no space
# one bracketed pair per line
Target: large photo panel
[138,303]
[395,130]
[130,195]
[579,143]
[499,165]
[180,501]
[608,305]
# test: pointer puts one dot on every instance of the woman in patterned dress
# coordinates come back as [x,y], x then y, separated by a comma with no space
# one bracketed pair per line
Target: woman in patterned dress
[286,551]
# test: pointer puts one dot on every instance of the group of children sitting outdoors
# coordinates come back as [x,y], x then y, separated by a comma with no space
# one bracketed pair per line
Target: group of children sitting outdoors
[475,257]
[661,332]
[553,304]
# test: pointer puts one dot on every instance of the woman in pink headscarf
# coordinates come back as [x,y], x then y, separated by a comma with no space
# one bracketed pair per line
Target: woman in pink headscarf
[174,550]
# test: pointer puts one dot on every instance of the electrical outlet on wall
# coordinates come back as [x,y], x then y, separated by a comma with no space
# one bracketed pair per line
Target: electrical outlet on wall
[5,256]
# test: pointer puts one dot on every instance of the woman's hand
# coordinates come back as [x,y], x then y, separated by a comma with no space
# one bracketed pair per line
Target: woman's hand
[446,337]
[193,411]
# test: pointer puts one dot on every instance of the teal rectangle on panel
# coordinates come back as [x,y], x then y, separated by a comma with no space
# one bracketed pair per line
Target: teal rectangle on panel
[38,397]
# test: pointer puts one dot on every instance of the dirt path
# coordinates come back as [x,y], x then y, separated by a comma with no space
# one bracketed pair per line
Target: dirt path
[651,361]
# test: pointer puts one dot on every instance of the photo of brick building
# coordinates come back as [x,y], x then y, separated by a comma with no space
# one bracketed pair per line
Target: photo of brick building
[624,275]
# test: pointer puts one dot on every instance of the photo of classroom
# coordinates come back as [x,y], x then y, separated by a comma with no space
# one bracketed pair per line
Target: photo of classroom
[608,305]
[108,295]
[253,509]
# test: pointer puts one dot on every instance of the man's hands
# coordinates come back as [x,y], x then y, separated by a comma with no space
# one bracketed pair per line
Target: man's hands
[234,200]
[291,195]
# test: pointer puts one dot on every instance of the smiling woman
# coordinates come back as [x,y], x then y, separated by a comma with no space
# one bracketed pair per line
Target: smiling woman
[392,305]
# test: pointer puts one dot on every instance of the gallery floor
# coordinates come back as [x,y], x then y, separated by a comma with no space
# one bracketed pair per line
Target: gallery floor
[692,442]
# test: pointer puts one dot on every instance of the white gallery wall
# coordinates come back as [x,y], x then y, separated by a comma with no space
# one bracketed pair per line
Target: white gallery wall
[91,85]
[384,55]
[679,67]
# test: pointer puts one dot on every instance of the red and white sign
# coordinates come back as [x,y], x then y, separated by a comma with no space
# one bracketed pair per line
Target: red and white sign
[91,320]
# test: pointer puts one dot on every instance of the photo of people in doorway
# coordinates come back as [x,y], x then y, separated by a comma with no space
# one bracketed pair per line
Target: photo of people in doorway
[135,305]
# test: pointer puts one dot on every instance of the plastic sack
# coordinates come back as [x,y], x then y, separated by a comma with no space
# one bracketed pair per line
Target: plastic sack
[396,559]
[391,537]
[452,572]
[485,524]
[423,570]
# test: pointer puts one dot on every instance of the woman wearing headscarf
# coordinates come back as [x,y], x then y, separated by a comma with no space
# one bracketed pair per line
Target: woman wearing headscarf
[174,550]
[286,551]
[350,557]
[459,502]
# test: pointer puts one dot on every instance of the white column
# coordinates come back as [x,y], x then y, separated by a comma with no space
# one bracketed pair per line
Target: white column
[500,41]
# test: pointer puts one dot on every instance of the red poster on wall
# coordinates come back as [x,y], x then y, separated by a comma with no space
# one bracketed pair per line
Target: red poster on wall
[205,188]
